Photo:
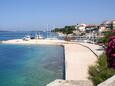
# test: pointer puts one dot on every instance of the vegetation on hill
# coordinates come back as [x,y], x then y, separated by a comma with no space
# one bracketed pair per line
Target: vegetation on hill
[100,72]
[66,30]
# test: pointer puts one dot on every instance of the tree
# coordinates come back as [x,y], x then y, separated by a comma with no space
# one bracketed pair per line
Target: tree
[100,72]
[66,30]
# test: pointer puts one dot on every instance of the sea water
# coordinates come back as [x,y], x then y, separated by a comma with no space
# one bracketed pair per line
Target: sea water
[6,35]
[30,65]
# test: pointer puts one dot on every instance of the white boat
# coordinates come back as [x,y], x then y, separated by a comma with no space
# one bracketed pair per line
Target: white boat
[27,38]
[38,36]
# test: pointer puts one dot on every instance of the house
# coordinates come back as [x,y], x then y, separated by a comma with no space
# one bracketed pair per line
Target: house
[113,24]
[82,27]
[91,28]
[102,28]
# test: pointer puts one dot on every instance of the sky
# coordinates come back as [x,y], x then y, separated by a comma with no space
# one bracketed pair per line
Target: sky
[42,14]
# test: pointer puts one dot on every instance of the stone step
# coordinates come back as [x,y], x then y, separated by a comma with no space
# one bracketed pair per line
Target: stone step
[70,83]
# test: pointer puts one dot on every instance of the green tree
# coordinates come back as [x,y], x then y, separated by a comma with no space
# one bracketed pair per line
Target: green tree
[66,30]
[100,72]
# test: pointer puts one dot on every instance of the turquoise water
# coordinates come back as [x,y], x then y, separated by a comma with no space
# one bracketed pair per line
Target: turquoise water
[30,65]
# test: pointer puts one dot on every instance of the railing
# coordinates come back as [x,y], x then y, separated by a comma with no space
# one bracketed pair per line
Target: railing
[84,39]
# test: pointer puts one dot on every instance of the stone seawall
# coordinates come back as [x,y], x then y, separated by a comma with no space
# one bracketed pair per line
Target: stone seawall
[77,60]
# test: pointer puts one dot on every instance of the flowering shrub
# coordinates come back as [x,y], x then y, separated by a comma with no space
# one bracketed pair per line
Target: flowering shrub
[110,52]
[105,66]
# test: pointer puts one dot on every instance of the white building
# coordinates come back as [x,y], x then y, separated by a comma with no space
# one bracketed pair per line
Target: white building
[82,27]
[113,23]
[102,28]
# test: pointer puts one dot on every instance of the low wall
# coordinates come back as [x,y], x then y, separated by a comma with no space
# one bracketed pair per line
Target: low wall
[70,83]
[108,82]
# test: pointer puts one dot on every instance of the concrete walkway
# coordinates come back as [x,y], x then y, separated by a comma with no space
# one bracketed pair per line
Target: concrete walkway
[77,61]
[94,48]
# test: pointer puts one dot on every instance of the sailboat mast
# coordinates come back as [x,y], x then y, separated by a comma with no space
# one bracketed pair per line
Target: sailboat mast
[54,31]
[47,30]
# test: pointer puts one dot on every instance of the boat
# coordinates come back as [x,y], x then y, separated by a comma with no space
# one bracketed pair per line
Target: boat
[38,36]
[27,38]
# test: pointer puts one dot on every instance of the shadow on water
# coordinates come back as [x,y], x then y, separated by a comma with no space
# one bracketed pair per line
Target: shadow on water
[56,63]
[64,70]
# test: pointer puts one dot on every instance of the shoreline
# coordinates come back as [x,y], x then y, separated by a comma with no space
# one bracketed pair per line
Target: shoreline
[64,65]
[34,41]
[77,56]
[76,68]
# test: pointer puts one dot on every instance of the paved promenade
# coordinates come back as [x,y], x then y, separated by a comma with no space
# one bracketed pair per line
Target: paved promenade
[77,61]
[95,48]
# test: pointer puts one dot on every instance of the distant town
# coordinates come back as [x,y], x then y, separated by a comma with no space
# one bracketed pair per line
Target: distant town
[87,32]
